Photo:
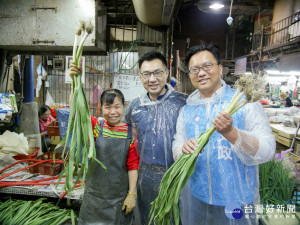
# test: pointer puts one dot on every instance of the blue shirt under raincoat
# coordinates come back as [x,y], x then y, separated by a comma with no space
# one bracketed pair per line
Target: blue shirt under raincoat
[224,173]
[155,122]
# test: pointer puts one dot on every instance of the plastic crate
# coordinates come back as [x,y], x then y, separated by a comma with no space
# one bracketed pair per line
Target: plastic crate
[53,113]
[32,156]
[53,129]
[49,169]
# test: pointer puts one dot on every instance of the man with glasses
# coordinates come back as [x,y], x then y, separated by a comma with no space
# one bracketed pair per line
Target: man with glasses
[154,116]
[224,186]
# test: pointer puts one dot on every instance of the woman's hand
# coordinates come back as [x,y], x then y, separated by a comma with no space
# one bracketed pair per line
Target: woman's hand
[129,203]
[74,70]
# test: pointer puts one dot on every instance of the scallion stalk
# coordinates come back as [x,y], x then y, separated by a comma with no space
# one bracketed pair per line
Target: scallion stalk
[82,145]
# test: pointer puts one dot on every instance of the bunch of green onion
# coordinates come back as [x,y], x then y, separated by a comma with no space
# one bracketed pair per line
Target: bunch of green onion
[275,184]
[37,212]
[82,144]
[165,206]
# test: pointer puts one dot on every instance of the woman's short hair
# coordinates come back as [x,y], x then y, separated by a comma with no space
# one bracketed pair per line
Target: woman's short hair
[108,96]
[43,109]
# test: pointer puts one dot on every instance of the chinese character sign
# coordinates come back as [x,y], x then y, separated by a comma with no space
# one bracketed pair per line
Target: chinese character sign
[130,85]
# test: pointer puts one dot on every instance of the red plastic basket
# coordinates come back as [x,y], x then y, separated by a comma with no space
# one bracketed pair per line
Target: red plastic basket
[49,169]
[32,156]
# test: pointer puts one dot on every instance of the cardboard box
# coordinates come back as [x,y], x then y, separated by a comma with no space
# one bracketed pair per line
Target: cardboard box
[54,140]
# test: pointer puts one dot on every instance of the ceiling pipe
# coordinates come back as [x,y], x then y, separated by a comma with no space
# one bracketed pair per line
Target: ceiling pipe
[155,12]
[149,12]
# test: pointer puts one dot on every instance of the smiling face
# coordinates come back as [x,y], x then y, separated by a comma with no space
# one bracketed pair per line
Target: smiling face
[113,113]
[154,85]
[207,82]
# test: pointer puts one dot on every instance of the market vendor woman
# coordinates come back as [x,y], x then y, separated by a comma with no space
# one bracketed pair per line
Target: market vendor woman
[286,98]
[109,196]
[109,192]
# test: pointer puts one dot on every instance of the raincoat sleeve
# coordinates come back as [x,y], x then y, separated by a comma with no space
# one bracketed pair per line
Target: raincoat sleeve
[127,114]
[180,136]
[255,144]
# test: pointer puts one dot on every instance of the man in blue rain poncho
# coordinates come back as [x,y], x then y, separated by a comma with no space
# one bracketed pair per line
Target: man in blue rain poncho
[154,116]
[225,181]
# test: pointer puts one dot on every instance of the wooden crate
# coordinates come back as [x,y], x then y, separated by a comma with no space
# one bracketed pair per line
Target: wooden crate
[283,140]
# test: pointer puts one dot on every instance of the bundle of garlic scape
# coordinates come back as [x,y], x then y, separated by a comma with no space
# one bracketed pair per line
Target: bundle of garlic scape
[82,145]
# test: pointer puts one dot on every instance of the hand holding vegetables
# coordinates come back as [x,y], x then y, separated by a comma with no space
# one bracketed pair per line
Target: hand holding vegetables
[74,70]
[223,124]
[189,146]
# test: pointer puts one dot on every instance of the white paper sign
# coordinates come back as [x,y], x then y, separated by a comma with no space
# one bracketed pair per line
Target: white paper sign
[68,79]
[130,85]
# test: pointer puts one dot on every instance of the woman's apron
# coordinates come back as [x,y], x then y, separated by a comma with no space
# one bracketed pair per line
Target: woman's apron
[106,190]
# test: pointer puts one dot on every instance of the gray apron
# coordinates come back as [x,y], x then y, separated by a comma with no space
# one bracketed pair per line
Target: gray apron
[106,190]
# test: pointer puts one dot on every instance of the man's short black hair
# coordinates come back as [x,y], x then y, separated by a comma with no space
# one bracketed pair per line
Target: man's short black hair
[203,47]
[149,56]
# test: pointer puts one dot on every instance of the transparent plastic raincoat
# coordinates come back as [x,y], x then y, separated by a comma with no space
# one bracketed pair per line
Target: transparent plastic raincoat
[225,176]
[155,123]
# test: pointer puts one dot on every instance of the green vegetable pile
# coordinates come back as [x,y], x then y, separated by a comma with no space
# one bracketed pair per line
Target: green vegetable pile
[37,212]
[276,186]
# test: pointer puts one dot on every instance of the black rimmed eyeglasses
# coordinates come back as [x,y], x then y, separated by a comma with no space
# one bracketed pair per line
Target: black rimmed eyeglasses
[194,70]
[156,73]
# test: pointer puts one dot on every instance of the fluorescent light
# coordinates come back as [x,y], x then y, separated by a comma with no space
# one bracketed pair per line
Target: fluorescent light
[248,73]
[295,73]
[216,6]
[286,73]
[273,71]
[277,79]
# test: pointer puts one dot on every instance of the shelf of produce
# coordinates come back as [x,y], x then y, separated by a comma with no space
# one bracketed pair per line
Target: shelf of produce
[35,192]
[284,135]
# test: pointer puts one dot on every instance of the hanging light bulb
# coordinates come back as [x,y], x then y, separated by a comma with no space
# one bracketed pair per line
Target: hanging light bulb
[229,18]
